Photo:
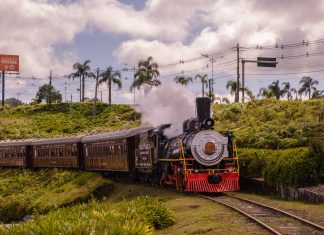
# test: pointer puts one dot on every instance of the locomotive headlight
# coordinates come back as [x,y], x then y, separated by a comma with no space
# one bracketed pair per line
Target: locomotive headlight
[209,147]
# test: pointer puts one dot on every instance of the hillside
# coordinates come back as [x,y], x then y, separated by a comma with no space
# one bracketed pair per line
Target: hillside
[37,121]
[272,124]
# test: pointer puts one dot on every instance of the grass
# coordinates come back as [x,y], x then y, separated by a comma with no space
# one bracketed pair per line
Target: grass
[38,121]
[24,192]
[138,216]
[305,210]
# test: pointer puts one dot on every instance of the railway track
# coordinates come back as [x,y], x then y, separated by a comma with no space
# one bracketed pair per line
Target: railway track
[272,219]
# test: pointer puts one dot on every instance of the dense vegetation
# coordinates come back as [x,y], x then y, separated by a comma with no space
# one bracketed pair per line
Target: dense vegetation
[137,216]
[281,141]
[25,192]
[36,121]
[292,167]
[272,124]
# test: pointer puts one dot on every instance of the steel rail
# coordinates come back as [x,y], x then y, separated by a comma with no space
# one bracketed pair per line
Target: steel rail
[267,227]
[312,224]
[303,221]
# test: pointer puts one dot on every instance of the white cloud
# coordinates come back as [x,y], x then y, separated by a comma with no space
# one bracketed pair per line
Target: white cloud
[31,29]
[168,30]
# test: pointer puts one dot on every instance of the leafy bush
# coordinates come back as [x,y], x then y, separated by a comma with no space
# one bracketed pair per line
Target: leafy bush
[317,149]
[125,217]
[292,167]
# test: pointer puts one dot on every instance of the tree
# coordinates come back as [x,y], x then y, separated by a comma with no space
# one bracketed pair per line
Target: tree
[265,92]
[183,80]
[49,94]
[204,82]
[286,90]
[308,85]
[248,92]
[232,85]
[82,71]
[275,89]
[146,73]
[293,90]
[222,100]
[13,102]
[225,100]
[109,76]
[317,94]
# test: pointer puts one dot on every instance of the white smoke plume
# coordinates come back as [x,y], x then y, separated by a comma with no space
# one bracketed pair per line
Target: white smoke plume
[169,103]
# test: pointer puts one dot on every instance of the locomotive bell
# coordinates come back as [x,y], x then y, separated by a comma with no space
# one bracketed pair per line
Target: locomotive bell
[203,108]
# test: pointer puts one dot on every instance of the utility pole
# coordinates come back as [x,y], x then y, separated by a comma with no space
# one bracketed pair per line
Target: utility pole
[50,78]
[3,87]
[65,94]
[96,89]
[237,97]
[18,94]
[243,86]
[131,68]
[101,96]
[211,88]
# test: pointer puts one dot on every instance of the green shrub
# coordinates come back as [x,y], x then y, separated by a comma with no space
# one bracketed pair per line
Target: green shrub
[317,149]
[138,216]
[291,167]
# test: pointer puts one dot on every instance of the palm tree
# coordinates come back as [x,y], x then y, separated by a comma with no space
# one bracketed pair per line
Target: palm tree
[109,76]
[317,93]
[293,90]
[232,85]
[204,82]
[275,89]
[265,92]
[308,85]
[82,71]
[248,93]
[287,90]
[225,100]
[145,74]
[183,80]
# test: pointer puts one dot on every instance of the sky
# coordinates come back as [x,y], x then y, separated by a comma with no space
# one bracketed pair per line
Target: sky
[55,34]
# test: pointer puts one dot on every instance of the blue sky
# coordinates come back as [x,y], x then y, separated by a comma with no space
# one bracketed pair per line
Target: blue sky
[53,35]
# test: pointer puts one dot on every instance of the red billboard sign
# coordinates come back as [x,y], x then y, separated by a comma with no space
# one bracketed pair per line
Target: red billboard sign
[9,63]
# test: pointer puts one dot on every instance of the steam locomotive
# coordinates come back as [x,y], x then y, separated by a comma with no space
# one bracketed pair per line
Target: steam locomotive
[198,160]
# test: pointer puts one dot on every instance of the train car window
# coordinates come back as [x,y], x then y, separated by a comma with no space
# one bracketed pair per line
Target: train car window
[89,149]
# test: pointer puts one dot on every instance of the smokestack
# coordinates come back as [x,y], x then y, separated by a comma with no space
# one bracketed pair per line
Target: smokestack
[203,108]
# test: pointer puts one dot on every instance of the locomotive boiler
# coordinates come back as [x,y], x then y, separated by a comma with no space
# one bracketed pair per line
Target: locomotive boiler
[201,159]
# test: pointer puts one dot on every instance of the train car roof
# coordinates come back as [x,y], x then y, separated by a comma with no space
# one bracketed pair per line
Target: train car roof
[115,135]
[13,143]
[61,140]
